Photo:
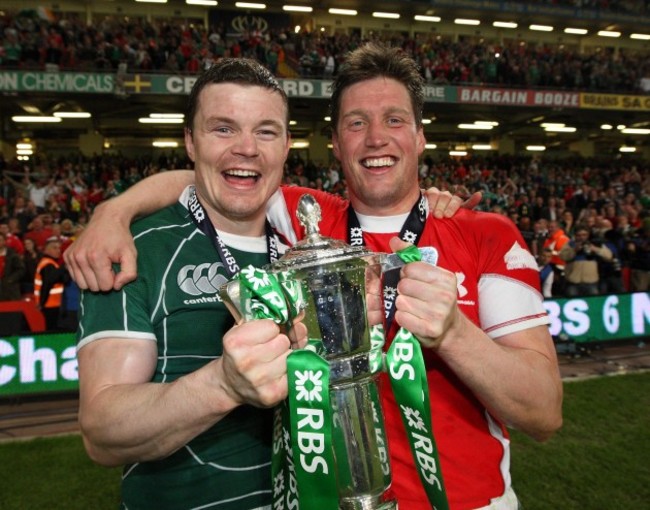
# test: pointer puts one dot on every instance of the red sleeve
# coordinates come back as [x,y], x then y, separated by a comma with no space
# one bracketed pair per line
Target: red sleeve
[504,251]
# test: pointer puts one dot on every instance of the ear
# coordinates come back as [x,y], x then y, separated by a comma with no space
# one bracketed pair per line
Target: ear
[286,149]
[335,145]
[421,141]
[189,144]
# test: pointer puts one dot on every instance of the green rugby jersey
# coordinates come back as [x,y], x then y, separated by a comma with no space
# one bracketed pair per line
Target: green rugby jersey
[174,302]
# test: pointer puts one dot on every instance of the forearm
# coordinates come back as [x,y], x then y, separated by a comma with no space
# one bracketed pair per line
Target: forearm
[521,387]
[128,423]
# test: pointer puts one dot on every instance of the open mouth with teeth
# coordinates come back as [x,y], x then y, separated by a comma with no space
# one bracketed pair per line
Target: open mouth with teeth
[378,162]
[237,175]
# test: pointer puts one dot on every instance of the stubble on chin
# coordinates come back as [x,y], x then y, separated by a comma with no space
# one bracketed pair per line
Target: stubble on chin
[378,197]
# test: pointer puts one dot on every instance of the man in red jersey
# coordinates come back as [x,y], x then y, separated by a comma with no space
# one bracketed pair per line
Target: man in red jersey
[489,356]
[478,314]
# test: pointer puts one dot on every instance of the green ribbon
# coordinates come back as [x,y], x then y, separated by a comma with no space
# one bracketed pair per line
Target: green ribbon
[302,467]
[283,472]
[410,254]
[311,430]
[407,373]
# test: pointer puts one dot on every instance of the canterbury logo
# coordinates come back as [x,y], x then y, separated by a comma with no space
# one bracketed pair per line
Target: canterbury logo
[462,290]
[201,279]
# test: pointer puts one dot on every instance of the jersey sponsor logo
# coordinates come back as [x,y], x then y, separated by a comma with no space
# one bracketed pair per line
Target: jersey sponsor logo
[519,257]
[201,279]
[462,291]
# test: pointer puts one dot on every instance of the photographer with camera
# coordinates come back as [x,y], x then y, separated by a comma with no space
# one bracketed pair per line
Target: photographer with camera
[582,255]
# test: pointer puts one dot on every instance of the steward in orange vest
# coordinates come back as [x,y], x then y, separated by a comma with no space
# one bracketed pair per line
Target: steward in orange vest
[49,281]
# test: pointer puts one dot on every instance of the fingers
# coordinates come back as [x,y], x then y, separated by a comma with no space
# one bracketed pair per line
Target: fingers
[80,270]
[298,333]
[443,204]
[438,201]
[375,309]
[255,363]
[396,244]
[74,270]
[473,201]
[128,268]
[88,270]
[426,304]
[374,303]
[92,269]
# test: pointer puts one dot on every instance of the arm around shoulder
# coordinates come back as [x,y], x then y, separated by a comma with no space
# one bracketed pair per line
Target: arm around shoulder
[107,240]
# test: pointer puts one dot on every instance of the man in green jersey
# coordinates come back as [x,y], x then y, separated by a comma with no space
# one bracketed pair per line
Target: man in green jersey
[168,386]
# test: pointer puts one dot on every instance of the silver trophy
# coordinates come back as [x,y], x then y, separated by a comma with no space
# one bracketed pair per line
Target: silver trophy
[334,280]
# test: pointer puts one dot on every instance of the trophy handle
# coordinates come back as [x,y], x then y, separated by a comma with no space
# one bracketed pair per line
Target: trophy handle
[393,261]
[230,294]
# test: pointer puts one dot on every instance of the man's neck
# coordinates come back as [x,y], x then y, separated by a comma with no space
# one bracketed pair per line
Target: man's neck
[404,206]
[247,228]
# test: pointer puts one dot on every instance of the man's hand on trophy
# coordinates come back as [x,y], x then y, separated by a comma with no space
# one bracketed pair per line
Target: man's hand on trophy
[443,204]
[253,368]
[374,301]
[297,333]
[426,303]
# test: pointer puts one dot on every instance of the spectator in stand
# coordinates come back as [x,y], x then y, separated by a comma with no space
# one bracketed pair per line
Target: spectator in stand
[49,282]
[12,240]
[12,270]
[30,257]
[540,233]
[38,233]
[611,271]
[553,211]
[25,212]
[638,255]
[582,256]
[567,223]
[546,273]
[623,226]
[555,241]
[526,231]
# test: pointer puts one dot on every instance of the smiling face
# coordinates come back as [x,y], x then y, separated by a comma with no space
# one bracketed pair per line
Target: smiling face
[378,142]
[239,143]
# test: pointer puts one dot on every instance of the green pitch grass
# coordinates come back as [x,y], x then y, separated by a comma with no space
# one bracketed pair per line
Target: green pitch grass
[598,461]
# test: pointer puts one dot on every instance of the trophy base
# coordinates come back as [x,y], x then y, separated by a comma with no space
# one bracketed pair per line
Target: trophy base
[366,503]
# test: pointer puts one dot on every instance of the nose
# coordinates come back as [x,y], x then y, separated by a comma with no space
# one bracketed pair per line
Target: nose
[246,145]
[376,134]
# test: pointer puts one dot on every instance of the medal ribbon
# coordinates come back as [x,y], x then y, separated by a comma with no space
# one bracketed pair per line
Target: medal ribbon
[407,375]
[411,232]
[302,466]
[203,223]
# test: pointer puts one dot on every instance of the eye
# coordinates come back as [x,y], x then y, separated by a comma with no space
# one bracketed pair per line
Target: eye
[395,121]
[268,134]
[356,124]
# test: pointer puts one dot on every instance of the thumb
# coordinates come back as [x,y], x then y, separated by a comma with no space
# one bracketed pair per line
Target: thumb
[128,269]
[396,244]
[473,200]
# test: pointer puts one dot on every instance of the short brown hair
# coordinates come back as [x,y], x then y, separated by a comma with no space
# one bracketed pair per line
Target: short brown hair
[374,60]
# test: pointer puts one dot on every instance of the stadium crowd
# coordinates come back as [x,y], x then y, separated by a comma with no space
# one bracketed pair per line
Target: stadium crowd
[28,41]
[586,221]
